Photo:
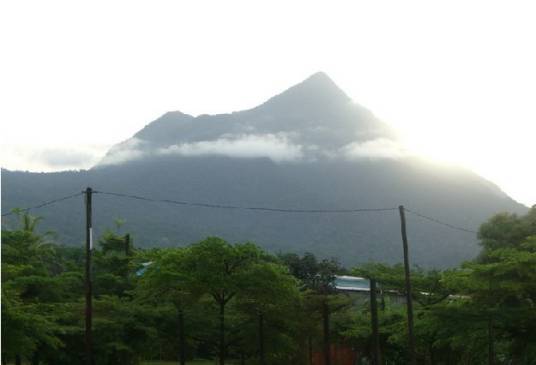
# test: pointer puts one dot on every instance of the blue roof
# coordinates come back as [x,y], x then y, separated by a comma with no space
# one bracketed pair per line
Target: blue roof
[351,283]
[143,269]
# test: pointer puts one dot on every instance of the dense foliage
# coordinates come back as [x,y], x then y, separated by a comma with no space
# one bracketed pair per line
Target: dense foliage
[217,300]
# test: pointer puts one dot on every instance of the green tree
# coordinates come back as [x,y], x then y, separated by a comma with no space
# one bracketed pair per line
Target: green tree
[219,269]
[167,280]
[32,288]
[271,300]
[317,282]
[112,265]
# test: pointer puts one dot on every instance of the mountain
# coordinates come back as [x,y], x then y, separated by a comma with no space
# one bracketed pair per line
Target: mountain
[310,147]
[311,120]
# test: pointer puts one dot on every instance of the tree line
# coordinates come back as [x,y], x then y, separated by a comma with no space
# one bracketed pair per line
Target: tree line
[239,304]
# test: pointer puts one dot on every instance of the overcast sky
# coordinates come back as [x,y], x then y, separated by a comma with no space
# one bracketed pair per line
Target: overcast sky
[457,79]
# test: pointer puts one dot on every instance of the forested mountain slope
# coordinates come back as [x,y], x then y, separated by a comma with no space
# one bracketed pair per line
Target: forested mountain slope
[310,147]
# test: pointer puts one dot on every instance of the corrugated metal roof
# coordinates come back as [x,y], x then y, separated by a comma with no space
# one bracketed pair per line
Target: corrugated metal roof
[351,283]
[143,269]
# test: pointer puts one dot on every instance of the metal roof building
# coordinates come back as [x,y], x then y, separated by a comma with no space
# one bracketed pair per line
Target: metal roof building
[351,283]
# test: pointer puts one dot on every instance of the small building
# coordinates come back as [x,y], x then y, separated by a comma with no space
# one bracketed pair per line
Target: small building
[351,283]
[359,289]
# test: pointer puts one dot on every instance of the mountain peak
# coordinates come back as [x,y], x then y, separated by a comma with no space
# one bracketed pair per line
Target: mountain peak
[316,91]
[315,112]
[164,127]
[321,84]
[319,76]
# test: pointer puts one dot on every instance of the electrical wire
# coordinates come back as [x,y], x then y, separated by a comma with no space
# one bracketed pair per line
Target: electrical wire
[440,222]
[237,207]
[44,204]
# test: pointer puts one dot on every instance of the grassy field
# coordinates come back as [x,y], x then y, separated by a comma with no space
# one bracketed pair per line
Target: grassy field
[193,362]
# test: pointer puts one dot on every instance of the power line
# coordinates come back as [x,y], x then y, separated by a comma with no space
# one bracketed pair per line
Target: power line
[44,204]
[440,222]
[237,207]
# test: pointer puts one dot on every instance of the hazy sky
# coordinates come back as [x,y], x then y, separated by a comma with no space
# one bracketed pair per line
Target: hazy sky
[457,78]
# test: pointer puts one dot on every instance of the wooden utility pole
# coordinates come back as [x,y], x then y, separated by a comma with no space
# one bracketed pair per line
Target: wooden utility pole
[310,345]
[222,332]
[127,244]
[182,338]
[374,323]
[491,352]
[409,300]
[89,309]
[325,317]
[262,358]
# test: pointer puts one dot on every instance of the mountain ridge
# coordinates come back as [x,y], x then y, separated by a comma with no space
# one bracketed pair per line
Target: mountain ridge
[298,153]
[315,116]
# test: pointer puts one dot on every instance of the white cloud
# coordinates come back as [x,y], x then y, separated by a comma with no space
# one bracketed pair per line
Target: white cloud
[381,148]
[276,147]
[130,149]
[48,157]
